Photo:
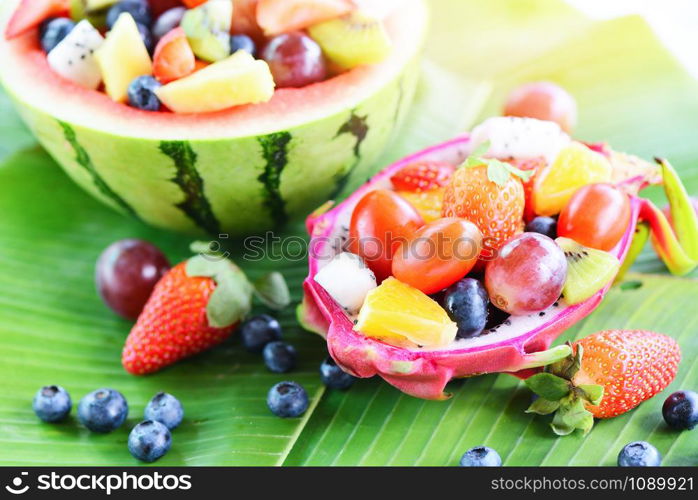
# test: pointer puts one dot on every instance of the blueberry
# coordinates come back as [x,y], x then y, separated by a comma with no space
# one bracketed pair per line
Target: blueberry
[279,356]
[466,303]
[333,376]
[149,441]
[54,31]
[139,10]
[166,409]
[543,225]
[680,410]
[242,42]
[639,454]
[480,456]
[146,36]
[141,93]
[258,331]
[168,21]
[287,400]
[103,410]
[52,403]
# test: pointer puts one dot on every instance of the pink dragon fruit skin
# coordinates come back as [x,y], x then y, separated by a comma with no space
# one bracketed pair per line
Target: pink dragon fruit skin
[519,346]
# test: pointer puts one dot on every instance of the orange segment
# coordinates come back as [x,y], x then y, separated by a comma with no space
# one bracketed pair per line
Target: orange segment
[427,203]
[401,315]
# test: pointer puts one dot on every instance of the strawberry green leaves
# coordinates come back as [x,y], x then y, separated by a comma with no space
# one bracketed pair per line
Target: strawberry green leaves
[272,290]
[497,171]
[558,394]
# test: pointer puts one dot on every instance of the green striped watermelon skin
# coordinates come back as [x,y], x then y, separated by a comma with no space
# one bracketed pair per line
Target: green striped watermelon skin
[236,186]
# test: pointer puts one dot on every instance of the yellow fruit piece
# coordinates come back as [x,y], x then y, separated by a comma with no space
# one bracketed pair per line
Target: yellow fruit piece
[401,315]
[238,79]
[575,166]
[123,57]
[427,203]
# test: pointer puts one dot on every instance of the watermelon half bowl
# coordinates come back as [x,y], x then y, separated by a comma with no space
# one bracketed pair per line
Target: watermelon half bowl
[517,346]
[239,171]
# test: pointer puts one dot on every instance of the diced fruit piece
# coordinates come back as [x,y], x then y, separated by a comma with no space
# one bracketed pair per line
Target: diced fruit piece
[527,275]
[333,376]
[258,331]
[347,279]
[607,374]
[31,13]
[168,20]
[208,29]
[480,456]
[54,32]
[52,403]
[588,270]
[401,315]
[283,16]
[242,42]
[122,58]
[93,5]
[543,225]
[103,410]
[74,58]
[295,60]
[380,222]
[158,7]
[193,3]
[288,400]
[353,40]
[245,20]
[639,454]
[533,165]
[84,9]
[279,357]
[575,166]
[680,410]
[467,303]
[149,441]
[490,197]
[422,176]
[520,138]
[438,254]
[141,93]
[126,274]
[428,203]
[173,58]
[544,101]
[138,9]
[596,216]
[166,409]
[239,79]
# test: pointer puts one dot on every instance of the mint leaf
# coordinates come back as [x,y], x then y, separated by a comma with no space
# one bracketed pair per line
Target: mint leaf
[272,290]
[496,173]
[548,386]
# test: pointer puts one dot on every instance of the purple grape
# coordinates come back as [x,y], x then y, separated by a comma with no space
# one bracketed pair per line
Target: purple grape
[295,60]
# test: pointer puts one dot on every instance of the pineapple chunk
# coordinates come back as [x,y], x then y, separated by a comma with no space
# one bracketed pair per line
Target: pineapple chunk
[123,57]
[238,79]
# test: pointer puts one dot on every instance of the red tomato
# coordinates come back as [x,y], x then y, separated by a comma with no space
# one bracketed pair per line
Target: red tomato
[596,216]
[545,101]
[380,222]
[438,254]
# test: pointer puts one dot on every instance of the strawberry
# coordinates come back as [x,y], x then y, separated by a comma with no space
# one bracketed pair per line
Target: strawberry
[533,165]
[609,373]
[489,193]
[422,176]
[193,307]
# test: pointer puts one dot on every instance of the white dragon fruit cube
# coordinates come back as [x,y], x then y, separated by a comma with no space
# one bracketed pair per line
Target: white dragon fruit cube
[73,58]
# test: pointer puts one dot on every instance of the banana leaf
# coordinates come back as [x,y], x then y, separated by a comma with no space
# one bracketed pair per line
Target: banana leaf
[55,330]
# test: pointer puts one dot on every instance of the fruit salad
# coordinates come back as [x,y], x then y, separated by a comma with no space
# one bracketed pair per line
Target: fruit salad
[474,255]
[196,56]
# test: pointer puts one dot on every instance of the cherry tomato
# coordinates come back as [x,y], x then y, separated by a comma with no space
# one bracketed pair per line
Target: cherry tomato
[438,254]
[380,222]
[596,216]
[545,101]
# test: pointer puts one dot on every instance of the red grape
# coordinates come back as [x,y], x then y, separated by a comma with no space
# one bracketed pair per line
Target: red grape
[295,60]
[126,273]
[527,275]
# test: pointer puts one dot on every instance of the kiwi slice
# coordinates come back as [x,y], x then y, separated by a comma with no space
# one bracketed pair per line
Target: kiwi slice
[208,29]
[588,270]
[352,40]
[94,11]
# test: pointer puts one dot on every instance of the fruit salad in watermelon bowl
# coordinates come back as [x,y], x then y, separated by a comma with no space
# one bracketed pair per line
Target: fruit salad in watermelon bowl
[474,255]
[219,116]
